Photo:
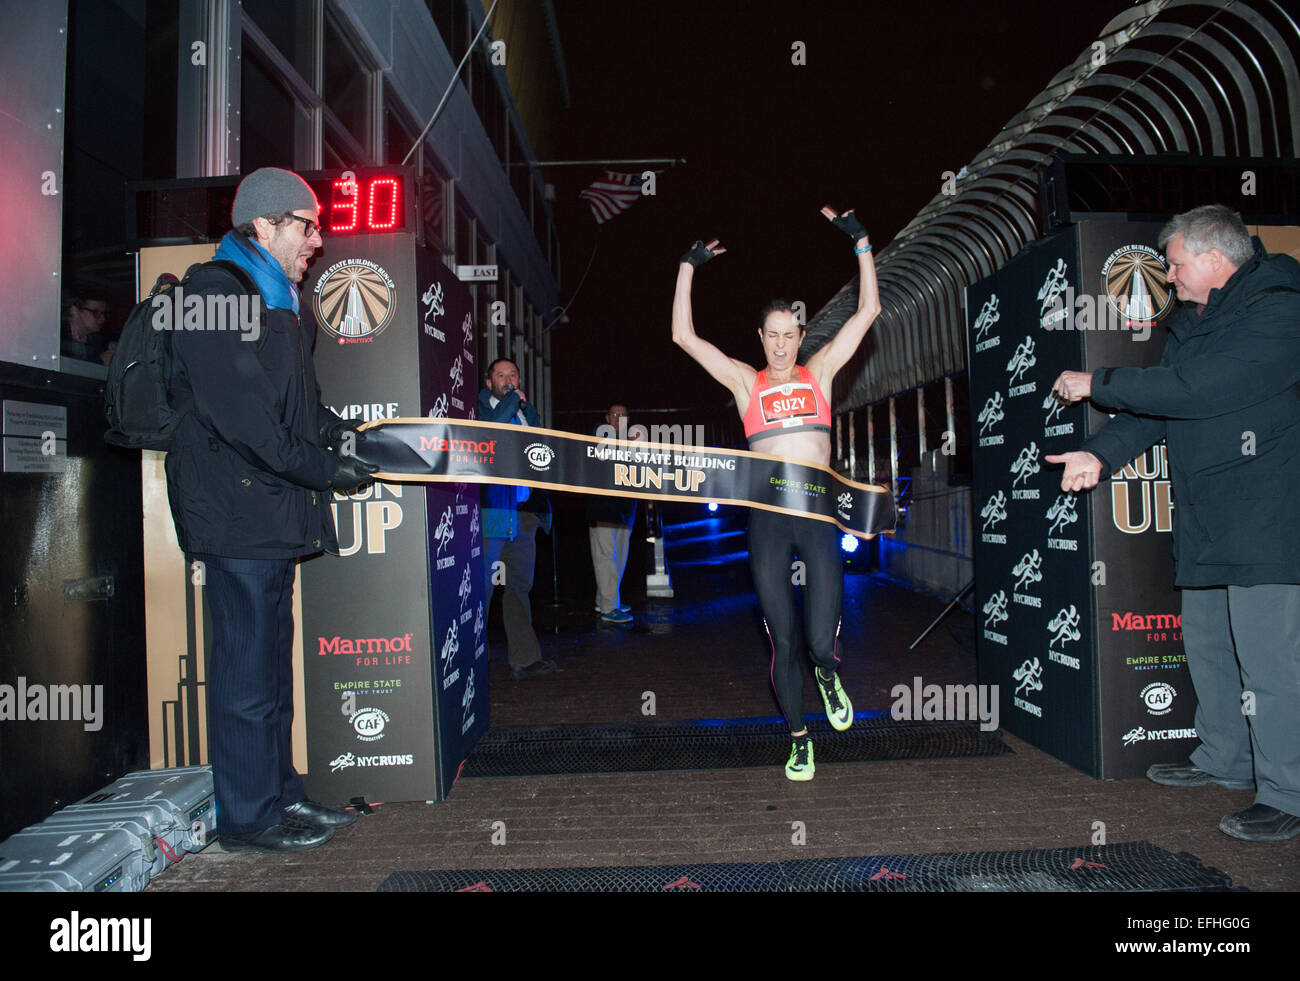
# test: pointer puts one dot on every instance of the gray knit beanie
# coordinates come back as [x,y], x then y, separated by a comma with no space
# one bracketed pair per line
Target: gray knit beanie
[271,191]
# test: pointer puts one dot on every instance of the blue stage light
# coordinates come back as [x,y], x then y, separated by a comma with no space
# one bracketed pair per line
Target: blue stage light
[713,506]
[849,543]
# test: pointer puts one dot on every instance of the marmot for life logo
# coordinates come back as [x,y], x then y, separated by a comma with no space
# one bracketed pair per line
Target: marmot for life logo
[1134,277]
[354,300]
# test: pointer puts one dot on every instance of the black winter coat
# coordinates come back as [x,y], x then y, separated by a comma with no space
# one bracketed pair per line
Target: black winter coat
[1226,397]
[246,476]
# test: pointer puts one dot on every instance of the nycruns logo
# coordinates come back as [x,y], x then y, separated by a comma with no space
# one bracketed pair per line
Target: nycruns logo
[988,316]
[1021,361]
[1029,675]
[1140,735]
[354,300]
[346,760]
[844,506]
[1053,286]
[994,510]
[434,308]
[992,413]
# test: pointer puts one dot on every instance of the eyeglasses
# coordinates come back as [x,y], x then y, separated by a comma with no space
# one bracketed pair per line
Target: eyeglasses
[98,314]
[309,226]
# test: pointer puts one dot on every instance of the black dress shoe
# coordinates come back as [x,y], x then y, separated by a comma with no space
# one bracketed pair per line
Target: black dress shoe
[1190,775]
[311,812]
[290,836]
[1261,822]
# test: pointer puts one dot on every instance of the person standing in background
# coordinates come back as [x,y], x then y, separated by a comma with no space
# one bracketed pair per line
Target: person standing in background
[610,521]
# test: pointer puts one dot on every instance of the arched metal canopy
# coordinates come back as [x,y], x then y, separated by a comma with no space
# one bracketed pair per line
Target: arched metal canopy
[1209,77]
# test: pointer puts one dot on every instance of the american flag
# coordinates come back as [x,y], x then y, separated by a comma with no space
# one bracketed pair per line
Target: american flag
[613,194]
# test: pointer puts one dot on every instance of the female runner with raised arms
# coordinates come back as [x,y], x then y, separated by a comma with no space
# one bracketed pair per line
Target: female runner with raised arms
[786,414]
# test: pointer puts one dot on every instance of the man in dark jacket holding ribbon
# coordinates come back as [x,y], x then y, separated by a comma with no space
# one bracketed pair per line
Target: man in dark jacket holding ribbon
[249,479]
[1226,398]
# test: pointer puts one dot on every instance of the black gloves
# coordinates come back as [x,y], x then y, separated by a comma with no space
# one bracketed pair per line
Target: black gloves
[698,255]
[850,226]
[343,438]
[350,473]
[333,435]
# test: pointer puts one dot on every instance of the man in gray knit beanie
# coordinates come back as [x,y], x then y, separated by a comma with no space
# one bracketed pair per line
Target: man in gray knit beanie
[249,479]
[268,199]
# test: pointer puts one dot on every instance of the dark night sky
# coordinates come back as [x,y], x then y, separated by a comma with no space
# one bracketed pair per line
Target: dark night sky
[891,96]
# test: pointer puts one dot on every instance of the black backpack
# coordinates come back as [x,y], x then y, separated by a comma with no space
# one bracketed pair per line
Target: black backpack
[136,403]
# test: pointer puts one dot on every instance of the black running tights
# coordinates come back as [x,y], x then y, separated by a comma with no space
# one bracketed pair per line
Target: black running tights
[785,551]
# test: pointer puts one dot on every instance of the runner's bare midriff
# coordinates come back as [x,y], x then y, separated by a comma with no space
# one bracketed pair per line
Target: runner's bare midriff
[805,447]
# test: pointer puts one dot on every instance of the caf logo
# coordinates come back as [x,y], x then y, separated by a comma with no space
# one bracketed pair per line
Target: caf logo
[354,300]
[1134,279]
[1159,698]
[539,456]
[369,724]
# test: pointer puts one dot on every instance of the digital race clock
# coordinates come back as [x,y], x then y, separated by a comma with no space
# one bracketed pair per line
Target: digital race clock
[364,201]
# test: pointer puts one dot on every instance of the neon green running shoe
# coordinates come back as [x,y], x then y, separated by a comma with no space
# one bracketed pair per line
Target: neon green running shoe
[839,710]
[800,764]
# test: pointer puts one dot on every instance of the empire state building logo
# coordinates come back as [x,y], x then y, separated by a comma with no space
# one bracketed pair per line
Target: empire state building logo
[354,300]
[1135,284]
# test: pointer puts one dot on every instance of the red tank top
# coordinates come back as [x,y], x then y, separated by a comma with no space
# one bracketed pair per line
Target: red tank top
[775,409]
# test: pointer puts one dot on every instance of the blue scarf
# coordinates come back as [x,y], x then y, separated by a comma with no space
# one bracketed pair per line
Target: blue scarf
[277,292]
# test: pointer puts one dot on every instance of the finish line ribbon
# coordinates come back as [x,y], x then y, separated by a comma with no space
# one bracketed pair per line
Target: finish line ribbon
[469,451]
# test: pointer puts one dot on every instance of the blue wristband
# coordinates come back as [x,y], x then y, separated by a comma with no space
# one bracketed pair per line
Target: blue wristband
[857,251]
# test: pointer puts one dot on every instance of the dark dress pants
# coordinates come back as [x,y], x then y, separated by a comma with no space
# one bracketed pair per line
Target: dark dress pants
[250,691]
[518,556]
[1243,653]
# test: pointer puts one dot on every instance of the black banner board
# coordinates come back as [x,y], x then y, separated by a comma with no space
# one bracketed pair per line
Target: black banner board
[394,660]
[1056,571]
[1147,707]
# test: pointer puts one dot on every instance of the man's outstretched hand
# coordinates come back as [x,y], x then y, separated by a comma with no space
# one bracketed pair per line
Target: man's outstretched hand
[700,253]
[1073,386]
[1082,470]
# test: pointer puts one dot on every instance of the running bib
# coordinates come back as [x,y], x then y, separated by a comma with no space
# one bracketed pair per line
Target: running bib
[787,405]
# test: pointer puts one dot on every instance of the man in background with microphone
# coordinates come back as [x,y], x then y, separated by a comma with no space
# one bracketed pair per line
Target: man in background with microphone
[511,518]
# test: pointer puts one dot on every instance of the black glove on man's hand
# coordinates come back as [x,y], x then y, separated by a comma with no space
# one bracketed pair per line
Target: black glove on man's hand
[700,254]
[333,434]
[849,225]
[350,473]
